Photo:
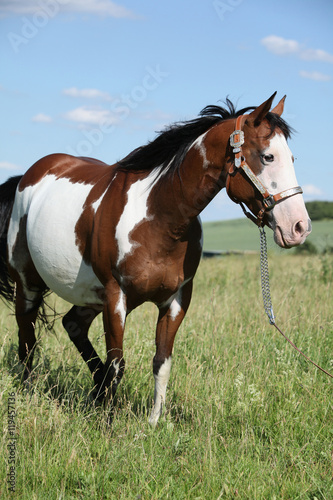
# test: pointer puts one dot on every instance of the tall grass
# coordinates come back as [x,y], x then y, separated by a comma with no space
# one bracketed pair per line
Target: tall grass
[245,418]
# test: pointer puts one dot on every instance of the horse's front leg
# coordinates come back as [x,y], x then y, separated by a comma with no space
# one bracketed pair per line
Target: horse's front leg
[114,317]
[170,317]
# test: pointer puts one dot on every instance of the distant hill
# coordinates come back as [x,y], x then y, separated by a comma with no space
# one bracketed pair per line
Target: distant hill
[242,235]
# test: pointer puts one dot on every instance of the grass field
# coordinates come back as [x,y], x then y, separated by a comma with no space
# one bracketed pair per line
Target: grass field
[241,234]
[246,417]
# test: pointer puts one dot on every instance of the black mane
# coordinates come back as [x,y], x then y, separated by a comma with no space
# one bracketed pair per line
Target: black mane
[168,150]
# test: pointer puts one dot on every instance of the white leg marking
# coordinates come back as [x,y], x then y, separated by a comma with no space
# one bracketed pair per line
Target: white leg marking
[175,301]
[121,307]
[116,366]
[161,381]
[135,211]
[175,306]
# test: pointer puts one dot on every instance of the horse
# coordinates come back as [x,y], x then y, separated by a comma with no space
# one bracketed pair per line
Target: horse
[107,238]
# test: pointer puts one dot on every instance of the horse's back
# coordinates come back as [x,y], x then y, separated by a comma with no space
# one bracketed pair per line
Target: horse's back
[75,169]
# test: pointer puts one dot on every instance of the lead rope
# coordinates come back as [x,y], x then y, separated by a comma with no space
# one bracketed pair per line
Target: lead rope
[266,295]
[264,274]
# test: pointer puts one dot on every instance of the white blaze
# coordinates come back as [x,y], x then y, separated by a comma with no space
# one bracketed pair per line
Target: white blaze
[277,176]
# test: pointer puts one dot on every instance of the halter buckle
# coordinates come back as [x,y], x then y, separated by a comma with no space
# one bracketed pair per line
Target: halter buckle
[269,202]
[237,140]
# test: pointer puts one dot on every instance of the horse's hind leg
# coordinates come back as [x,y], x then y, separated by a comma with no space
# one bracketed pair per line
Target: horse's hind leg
[30,288]
[77,323]
[26,310]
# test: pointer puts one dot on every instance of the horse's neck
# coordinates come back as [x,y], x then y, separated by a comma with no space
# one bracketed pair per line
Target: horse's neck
[202,175]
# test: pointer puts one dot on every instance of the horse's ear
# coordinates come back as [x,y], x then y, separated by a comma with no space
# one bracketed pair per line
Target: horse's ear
[257,115]
[278,110]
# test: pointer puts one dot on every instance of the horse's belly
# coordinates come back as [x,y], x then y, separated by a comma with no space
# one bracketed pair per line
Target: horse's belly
[71,279]
[54,210]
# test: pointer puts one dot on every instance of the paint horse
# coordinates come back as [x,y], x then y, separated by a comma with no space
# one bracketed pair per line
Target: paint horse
[108,238]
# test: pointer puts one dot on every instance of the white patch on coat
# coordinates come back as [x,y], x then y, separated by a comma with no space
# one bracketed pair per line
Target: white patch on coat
[161,382]
[53,207]
[200,146]
[135,212]
[97,203]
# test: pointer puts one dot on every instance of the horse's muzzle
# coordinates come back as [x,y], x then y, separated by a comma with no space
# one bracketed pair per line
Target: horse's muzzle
[299,231]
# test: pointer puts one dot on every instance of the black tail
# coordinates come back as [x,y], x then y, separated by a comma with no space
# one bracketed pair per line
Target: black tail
[7,196]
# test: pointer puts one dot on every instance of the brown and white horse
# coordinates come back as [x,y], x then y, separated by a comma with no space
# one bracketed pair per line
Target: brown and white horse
[107,238]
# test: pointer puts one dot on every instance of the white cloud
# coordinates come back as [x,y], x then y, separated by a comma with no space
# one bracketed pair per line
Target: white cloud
[90,116]
[100,7]
[6,165]
[311,190]
[315,75]
[282,47]
[97,7]
[42,118]
[87,93]
[316,55]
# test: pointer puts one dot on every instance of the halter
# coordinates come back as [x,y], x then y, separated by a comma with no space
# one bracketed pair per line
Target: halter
[268,200]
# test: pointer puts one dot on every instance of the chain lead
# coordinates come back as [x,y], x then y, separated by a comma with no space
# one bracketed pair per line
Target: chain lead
[266,293]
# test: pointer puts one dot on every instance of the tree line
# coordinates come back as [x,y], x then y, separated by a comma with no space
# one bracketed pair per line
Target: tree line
[319,210]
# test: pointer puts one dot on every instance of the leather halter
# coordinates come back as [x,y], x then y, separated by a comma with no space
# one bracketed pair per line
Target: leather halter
[268,200]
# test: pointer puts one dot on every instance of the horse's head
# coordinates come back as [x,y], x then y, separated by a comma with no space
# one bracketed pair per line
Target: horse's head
[271,193]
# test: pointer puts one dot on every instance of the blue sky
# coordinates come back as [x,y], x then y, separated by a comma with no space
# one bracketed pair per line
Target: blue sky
[99,78]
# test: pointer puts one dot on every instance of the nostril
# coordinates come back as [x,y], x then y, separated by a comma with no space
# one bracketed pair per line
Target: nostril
[300,227]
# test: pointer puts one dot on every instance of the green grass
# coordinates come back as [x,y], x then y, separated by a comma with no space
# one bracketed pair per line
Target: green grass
[241,234]
[246,416]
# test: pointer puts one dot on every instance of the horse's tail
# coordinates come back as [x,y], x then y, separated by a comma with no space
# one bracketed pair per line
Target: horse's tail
[7,196]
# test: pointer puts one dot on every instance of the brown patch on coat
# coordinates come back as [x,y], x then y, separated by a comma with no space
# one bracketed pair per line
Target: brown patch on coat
[85,224]
[77,170]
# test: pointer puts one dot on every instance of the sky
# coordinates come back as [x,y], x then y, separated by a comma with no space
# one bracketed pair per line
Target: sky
[100,78]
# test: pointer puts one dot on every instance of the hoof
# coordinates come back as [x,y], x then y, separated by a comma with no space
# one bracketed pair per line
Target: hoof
[99,394]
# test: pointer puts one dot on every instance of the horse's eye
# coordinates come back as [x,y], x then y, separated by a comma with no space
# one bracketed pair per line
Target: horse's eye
[268,158]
